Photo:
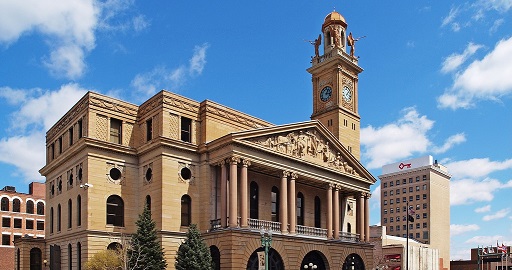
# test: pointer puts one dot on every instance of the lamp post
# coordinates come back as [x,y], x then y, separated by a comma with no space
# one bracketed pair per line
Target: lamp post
[266,242]
[310,266]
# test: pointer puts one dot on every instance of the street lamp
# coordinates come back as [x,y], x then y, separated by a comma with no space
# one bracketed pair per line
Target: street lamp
[266,242]
[310,266]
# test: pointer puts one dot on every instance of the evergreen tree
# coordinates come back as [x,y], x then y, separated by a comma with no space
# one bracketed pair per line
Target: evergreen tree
[193,254]
[145,251]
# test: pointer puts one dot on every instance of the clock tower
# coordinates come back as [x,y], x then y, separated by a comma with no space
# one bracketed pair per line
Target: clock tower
[335,83]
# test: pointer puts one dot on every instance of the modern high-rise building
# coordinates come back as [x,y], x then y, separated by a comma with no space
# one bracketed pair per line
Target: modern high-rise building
[22,217]
[423,185]
[230,173]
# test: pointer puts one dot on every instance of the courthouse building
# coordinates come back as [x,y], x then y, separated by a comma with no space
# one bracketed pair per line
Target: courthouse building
[424,185]
[228,172]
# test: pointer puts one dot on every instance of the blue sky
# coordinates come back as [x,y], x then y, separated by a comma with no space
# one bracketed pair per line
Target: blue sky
[437,80]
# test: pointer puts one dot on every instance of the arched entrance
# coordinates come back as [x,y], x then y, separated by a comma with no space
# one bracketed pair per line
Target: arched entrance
[275,261]
[353,262]
[215,253]
[35,259]
[314,260]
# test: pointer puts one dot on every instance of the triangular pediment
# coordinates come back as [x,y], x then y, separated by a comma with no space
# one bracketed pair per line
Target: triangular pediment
[308,141]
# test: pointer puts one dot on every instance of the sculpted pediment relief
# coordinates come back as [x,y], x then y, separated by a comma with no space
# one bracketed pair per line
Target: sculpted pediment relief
[309,145]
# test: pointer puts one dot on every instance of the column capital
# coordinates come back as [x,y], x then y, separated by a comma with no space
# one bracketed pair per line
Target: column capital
[367,195]
[220,163]
[233,159]
[286,173]
[337,187]
[294,175]
[331,186]
[246,163]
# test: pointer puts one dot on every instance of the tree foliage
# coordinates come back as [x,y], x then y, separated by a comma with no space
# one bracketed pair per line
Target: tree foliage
[104,260]
[193,254]
[145,250]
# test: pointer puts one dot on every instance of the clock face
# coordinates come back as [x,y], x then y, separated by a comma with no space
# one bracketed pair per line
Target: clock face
[326,93]
[347,94]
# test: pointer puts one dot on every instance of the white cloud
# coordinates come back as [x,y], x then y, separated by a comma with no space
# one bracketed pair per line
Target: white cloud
[38,112]
[456,229]
[13,96]
[404,138]
[454,61]
[449,143]
[497,23]
[450,17]
[375,198]
[483,209]
[477,167]
[198,60]
[485,240]
[161,77]
[498,215]
[498,5]
[67,26]
[467,191]
[486,79]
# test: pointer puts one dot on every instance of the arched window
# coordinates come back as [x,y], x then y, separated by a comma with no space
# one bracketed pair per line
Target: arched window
[114,246]
[40,208]
[59,211]
[51,220]
[78,210]
[115,211]
[318,212]
[148,202]
[5,204]
[78,256]
[253,201]
[70,213]
[186,210]
[29,207]
[35,259]
[274,204]
[70,257]
[16,205]
[300,209]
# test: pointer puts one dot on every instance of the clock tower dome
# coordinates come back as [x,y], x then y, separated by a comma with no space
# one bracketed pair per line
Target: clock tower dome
[335,82]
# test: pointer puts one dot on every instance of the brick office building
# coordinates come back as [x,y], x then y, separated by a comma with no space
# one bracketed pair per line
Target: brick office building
[22,216]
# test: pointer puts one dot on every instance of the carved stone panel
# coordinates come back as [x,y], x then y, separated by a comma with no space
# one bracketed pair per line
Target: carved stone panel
[307,145]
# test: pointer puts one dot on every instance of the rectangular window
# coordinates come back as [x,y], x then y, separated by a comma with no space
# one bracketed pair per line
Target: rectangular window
[397,227]
[417,235]
[410,180]
[17,223]
[186,129]
[424,206]
[385,220]
[397,182]
[16,237]
[391,193]
[417,188]
[417,225]
[398,209]
[52,151]
[404,190]
[397,191]
[391,228]
[410,189]
[70,136]
[60,145]
[385,202]
[397,200]
[424,225]
[385,185]
[385,193]
[391,183]
[6,239]
[149,129]
[29,224]
[115,130]
[425,235]
[80,126]
[424,215]
[424,177]
[424,196]
[417,197]
[410,198]
[6,222]
[40,225]
[425,187]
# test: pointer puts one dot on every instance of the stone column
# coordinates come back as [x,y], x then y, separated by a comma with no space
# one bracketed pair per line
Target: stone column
[292,203]
[336,202]
[244,194]
[223,194]
[367,217]
[233,192]
[329,211]
[360,216]
[343,211]
[283,207]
